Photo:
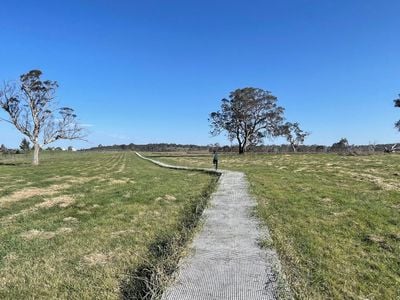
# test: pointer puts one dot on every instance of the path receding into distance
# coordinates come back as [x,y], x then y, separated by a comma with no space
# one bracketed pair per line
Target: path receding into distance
[225,260]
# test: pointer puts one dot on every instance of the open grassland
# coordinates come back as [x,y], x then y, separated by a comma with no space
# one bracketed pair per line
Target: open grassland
[79,224]
[335,220]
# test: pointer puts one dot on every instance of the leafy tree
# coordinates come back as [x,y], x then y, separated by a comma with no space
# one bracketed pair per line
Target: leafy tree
[30,105]
[397,104]
[293,134]
[249,115]
[25,145]
[342,145]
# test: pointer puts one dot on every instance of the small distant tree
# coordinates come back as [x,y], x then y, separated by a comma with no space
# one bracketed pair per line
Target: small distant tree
[30,105]
[293,134]
[342,145]
[248,116]
[70,148]
[25,145]
[3,148]
[397,104]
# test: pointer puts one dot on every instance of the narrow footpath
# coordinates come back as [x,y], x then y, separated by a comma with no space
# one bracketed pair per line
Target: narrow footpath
[225,260]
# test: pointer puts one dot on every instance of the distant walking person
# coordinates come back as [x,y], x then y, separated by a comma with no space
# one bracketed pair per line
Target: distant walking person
[215,159]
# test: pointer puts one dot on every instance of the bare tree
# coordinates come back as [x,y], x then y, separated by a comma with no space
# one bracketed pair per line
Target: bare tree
[293,134]
[397,104]
[30,105]
[250,115]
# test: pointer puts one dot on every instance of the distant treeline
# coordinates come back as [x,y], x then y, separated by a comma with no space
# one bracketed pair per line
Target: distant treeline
[159,147]
[340,147]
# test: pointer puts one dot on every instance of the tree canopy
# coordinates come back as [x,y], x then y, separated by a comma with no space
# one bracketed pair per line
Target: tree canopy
[248,116]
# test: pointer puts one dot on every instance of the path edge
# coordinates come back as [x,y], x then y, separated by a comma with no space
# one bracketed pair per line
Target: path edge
[150,280]
[283,288]
[164,165]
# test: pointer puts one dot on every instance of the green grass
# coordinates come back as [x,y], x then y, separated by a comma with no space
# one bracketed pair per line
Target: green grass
[334,220]
[77,225]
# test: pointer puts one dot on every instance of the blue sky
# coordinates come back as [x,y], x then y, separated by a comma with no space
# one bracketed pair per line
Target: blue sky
[152,71]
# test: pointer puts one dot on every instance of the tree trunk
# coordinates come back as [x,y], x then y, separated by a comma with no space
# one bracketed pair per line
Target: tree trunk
[294,148]
[241,149]
[241,144]
[36,149]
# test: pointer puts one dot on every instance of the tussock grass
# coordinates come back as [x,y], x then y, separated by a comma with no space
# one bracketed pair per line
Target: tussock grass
[334,220]
[98,220]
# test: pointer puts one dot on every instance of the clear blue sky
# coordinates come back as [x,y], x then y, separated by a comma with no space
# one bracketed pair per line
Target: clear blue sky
[152,71]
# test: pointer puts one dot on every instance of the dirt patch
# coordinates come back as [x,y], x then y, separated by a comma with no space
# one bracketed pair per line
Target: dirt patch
[94,259]
[11,256]
[326,200]
[300,170]
[61,201]
[38,234]
[340,214]
[378,240]
[396,206]
[117,181]
[169,197]
[31,192]
[380,182]
[44,235]
[64,230]
[84,212]
[166,198]
[120,181]
[70,219]
[121,168]
[373,238]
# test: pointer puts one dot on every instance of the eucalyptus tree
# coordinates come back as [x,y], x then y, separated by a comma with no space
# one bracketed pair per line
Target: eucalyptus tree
[293,134]
[31,107]
[248,116]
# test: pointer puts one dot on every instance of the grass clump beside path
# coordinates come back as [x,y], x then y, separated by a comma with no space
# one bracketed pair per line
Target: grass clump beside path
[334,220]
[78,225]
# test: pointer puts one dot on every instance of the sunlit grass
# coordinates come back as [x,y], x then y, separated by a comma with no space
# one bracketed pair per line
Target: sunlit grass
[334,220]
[77,224]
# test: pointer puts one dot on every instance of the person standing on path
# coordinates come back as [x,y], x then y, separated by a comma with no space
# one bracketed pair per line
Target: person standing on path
[215,159]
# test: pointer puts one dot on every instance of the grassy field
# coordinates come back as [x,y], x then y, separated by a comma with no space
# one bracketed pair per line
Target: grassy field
[79,224]
[334,220]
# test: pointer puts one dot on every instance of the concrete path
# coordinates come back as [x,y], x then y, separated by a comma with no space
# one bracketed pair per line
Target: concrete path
[225,260]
